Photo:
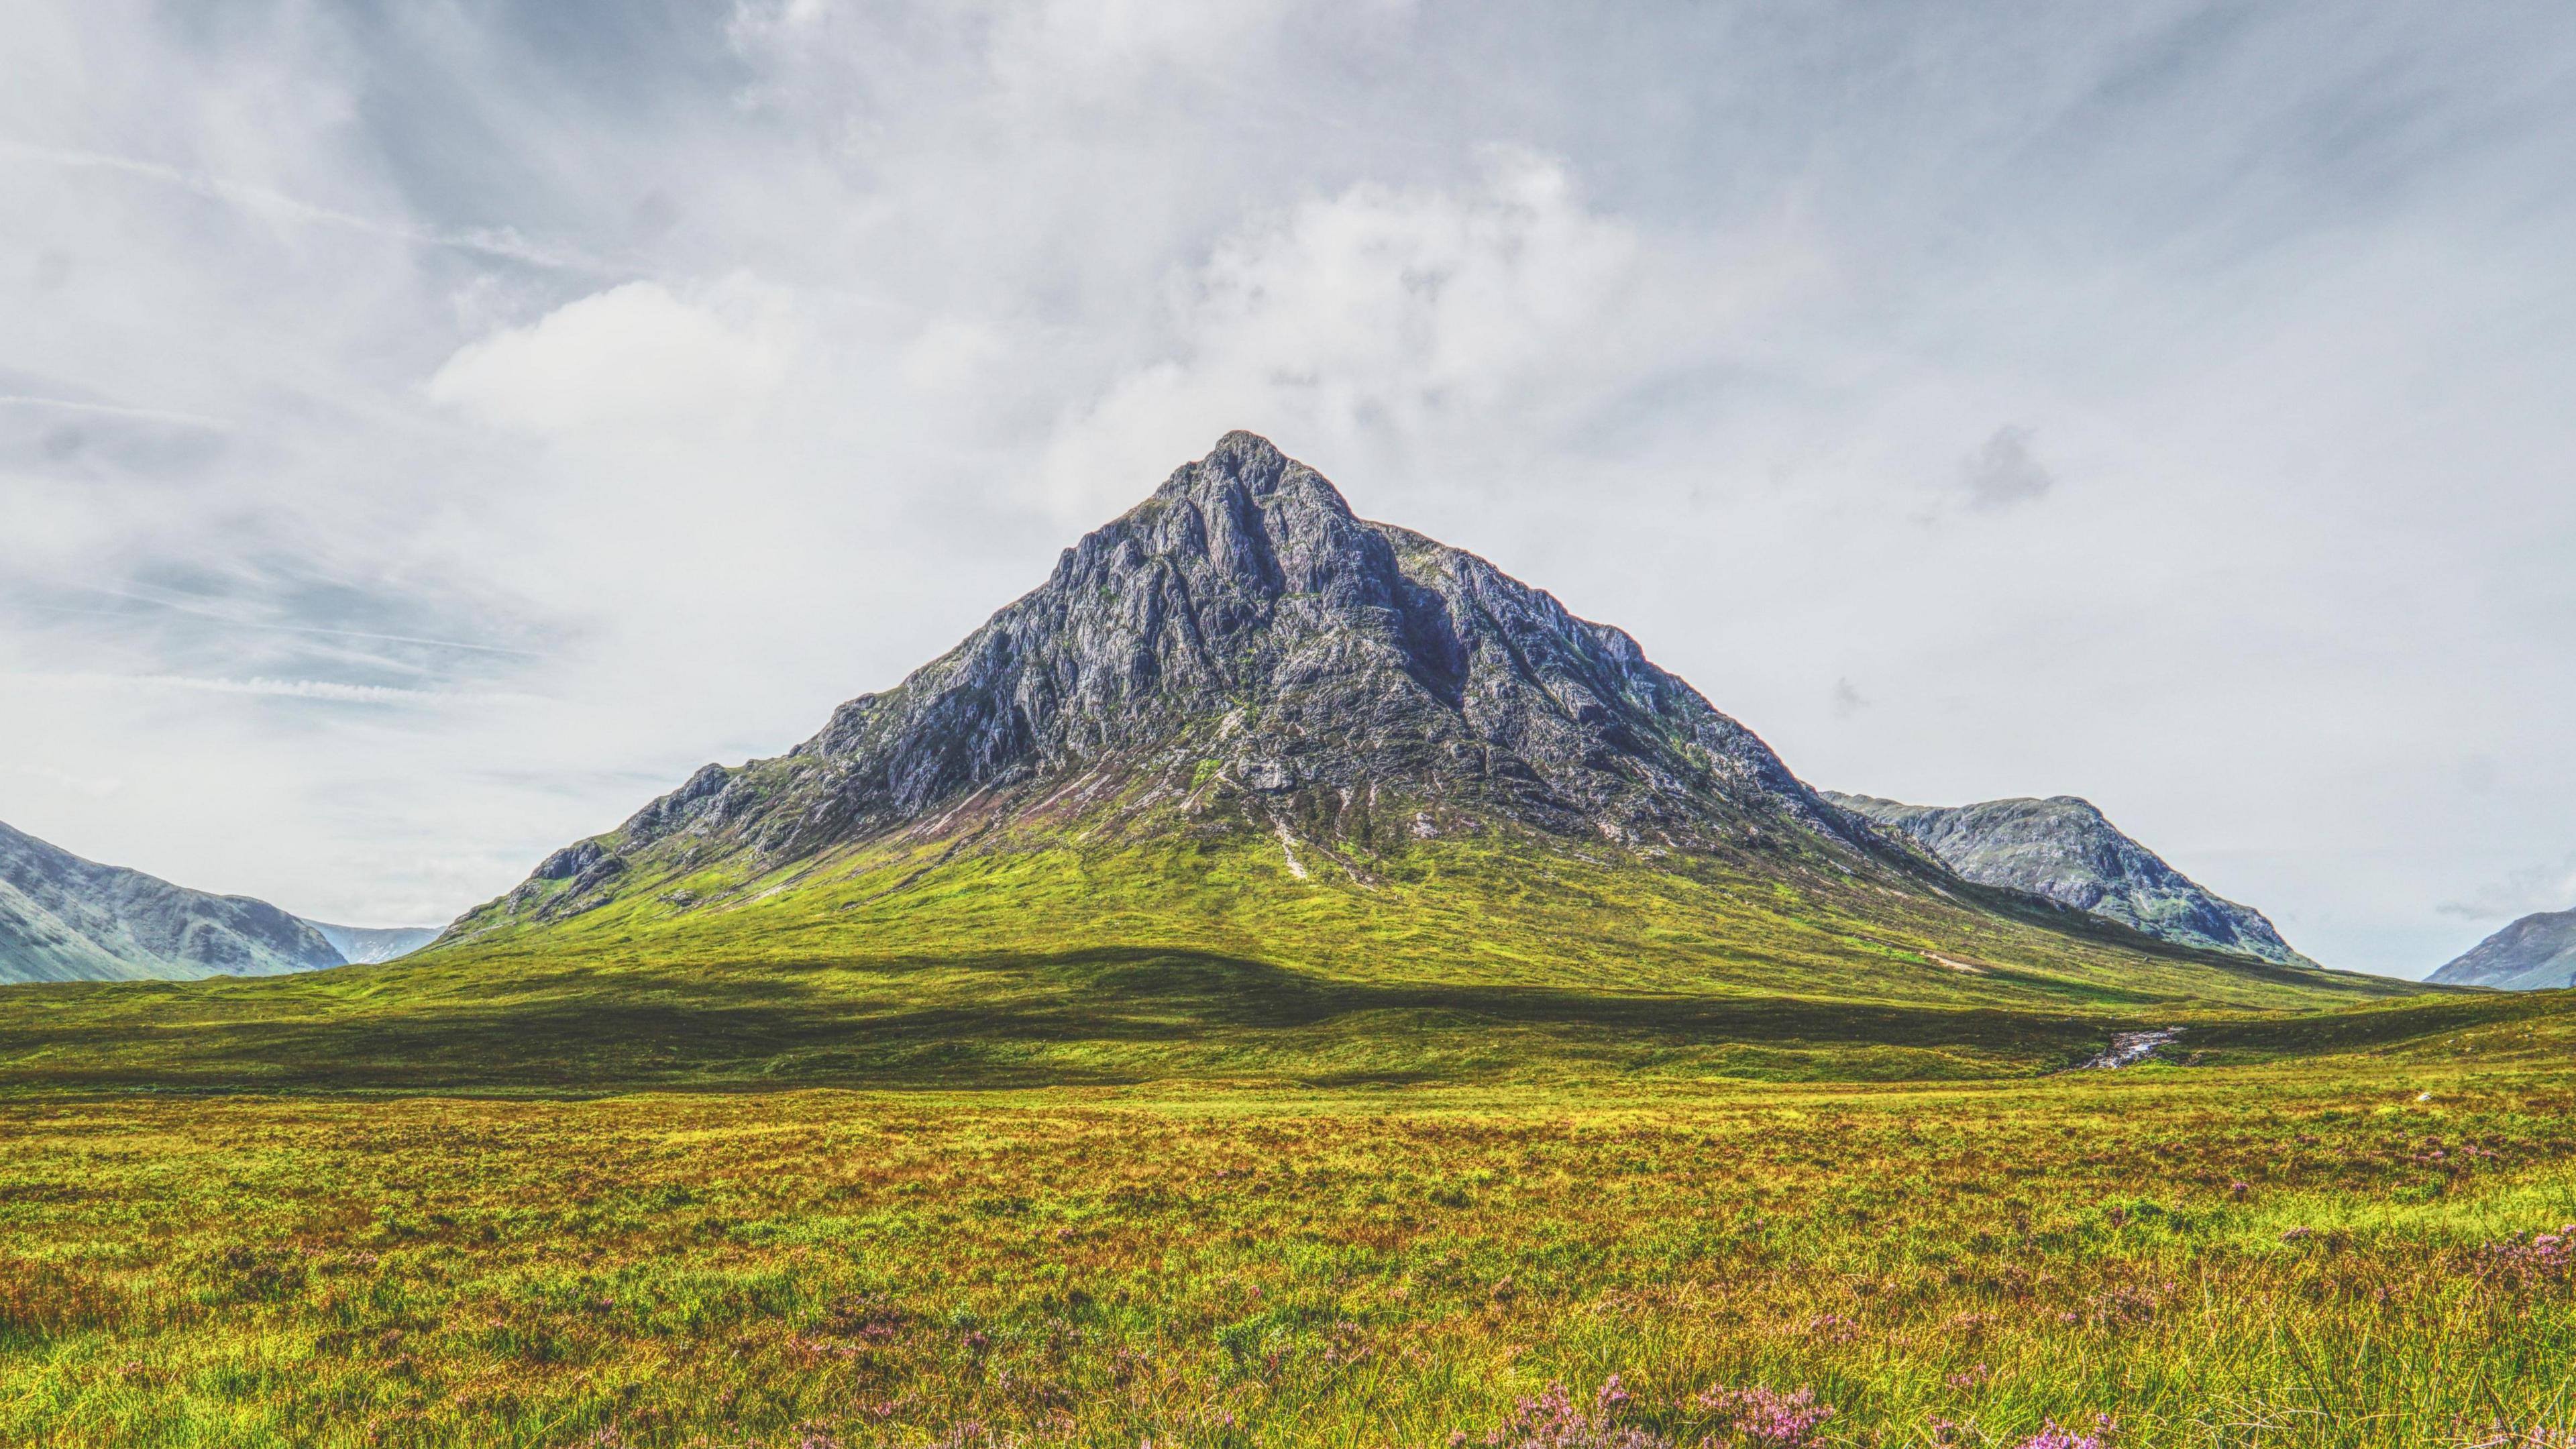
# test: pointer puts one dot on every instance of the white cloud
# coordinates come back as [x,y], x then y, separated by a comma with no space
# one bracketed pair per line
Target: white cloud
[1098,46]
[637,356]
[1472,323]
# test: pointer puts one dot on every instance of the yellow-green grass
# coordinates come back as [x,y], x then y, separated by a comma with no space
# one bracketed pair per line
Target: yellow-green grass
[1107,1145]
[2288,1254]
[1505,908]
[1457,961]
[529,1020]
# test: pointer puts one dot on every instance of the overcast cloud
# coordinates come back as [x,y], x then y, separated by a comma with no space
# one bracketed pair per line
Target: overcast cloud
[429,430]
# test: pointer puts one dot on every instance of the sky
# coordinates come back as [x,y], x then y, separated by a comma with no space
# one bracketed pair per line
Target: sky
[430,430]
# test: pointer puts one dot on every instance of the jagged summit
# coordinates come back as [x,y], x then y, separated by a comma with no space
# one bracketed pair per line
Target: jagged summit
[2067,850]
[1241,636]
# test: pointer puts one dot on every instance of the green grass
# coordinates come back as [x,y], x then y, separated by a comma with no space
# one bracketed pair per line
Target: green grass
[1186,959]
[1101,1144]
[1497,908]
[2271,1255]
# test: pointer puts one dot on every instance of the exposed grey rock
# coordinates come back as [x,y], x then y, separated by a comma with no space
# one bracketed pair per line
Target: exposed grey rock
[1242,629]
[570,861]
[2063,849]
[63,918]
[2536,953]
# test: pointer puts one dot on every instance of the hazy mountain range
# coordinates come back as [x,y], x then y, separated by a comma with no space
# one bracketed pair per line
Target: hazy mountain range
[63,918]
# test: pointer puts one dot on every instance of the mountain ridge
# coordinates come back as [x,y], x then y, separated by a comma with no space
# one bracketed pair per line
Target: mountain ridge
[64,917]
[2535,953]
[2065,849]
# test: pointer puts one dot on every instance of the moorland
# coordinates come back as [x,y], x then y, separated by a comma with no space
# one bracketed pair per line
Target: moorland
[2330,1231]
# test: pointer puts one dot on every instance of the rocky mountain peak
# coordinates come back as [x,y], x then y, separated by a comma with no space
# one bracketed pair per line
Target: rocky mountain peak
[1242,636]
[1252,465]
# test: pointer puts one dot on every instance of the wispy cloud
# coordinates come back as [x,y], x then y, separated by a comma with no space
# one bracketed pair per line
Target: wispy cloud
[211,611]
[119,410]
[323,690]
[499,243]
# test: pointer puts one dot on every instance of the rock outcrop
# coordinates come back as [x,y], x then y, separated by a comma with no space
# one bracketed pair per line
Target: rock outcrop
[2064,849]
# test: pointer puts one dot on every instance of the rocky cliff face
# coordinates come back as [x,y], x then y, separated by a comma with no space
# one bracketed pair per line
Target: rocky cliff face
[2064,849]
[63,918]
[1242,637]
[2536,953]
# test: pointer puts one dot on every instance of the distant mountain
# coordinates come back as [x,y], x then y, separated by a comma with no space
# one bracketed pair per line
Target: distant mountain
[2536,953]
[366,945]
[2064,849]
[1242,721]
[63,918]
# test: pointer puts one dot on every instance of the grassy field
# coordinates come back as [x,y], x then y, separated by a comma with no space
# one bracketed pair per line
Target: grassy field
[2324,1243]
[1167,1146]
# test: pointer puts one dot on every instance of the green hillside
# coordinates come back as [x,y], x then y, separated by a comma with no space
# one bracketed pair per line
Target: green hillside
[1178,959]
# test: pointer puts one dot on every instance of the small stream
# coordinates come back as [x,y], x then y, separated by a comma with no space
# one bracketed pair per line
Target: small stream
[2128,1048]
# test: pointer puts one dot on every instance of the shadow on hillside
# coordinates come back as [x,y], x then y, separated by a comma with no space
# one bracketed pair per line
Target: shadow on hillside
[1090,1017]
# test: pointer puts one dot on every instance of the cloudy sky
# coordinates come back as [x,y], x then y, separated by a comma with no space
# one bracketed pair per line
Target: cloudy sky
[428,430]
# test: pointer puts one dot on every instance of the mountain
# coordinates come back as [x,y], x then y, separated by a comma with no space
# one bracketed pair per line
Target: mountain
[63,918]
[2062,848]
[368,945]
[1241,721]
[2535,953]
